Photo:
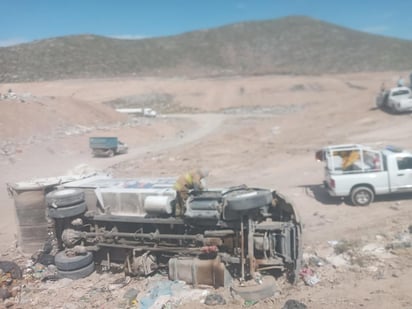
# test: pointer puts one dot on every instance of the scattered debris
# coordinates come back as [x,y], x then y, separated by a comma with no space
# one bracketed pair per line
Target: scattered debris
[316,261]
[214,299]
[293,304]
[402,241]
[11,268]
[11,95]
[119,283]
[308,276]
[131,295]
[171,293]
[10,275]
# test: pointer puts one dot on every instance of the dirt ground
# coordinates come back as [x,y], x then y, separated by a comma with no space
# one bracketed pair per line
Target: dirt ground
[259,131]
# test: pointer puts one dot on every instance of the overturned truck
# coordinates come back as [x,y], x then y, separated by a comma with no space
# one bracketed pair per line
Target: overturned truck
[232,233]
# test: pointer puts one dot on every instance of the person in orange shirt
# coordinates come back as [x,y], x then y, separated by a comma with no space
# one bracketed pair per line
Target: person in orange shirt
[349,159]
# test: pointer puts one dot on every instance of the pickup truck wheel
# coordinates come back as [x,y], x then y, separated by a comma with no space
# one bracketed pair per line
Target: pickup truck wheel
[361,196]
[65,197]
[67,263]
[67,212]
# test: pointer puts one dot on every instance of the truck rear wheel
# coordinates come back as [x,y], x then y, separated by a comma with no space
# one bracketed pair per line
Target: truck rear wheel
[362,196]
[67,212]
[241,201]
[244,200]
[65,197]
[66,263]
[77,273]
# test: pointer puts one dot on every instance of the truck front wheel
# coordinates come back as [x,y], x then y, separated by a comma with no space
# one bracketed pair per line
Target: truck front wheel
[361,196]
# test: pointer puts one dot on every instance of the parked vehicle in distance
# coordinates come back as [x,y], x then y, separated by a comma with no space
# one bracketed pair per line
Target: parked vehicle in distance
[358,173]
[107,146]
[397,100]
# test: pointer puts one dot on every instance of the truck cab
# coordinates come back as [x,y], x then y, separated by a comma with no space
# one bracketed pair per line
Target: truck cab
[107,146]
[399,166]
[358,172]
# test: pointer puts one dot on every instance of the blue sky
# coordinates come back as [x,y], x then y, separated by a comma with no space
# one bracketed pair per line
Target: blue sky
[28,20]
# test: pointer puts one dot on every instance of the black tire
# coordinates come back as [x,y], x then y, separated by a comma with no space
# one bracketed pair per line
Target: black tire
[240,201]
[68,263]
[244,200]
[257,292]
[12,268]
[362,196]
[78,273]
[67,212]
[65,197]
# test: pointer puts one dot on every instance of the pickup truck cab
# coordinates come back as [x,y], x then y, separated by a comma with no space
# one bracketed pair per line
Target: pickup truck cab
[359,173]
[107,146]
[397,100]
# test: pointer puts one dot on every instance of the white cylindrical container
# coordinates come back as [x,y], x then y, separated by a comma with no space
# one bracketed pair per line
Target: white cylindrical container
[158,205]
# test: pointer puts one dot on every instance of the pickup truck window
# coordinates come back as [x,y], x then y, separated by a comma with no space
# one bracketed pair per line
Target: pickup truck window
[372,160]
[385,163]
[400,92]
[354,160]
[345,160]
[404,163]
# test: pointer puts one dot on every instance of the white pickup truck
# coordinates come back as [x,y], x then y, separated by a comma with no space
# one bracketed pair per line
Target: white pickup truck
[358,172]
[397,100]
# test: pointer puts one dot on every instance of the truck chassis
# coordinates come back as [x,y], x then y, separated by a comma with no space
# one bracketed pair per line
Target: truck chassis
[236,233]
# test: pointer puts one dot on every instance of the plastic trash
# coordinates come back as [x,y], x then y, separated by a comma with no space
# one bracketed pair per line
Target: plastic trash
[309,277]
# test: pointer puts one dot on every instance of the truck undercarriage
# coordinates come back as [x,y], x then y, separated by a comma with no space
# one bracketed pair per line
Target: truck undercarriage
[225,234]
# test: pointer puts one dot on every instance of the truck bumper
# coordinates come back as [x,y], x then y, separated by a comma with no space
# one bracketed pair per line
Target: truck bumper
[331,192]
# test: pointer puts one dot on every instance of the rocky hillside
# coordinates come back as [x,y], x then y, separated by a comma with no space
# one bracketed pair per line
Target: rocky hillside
[291,45]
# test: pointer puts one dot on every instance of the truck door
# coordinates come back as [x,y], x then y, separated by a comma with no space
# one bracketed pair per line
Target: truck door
[400,173]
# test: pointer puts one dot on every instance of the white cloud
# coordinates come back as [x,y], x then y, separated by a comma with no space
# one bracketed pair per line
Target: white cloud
[376,29]
[128,37]
[12,41]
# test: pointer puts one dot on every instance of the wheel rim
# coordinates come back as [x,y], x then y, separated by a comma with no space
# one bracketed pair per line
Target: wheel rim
[363,197]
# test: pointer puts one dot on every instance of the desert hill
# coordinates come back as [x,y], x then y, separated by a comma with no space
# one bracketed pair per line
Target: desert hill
[291,45]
